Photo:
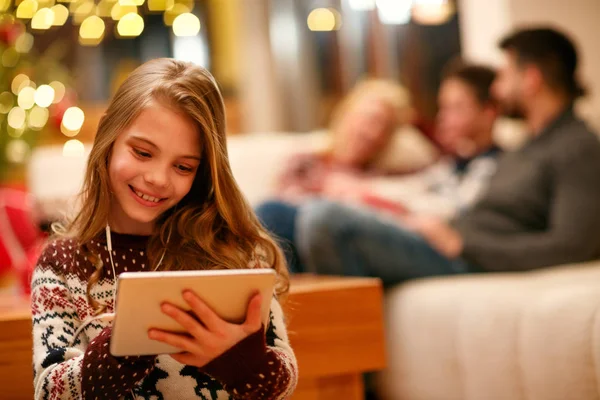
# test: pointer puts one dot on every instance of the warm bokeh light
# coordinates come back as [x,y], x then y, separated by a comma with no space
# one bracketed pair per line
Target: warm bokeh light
[15,133]
[73,148]
[324,19]
[16,118]
[24,43]
[90,42]
[27,9]
[74,4]
[394,12]
[10,57]
[131,2]
[4,5]
[59,91]
[131,25]
[72,121]
[61,14]
[7,100]
[26,98]
[42,19]
[45,3]
[432,13]
[92,28]
[7,18]
[19,82]
[44,95]
[118,11]
[190,4]
[104,8]
[177,9]
[38,117]
[160,5]
[86,9]
[186,24]
[17,151]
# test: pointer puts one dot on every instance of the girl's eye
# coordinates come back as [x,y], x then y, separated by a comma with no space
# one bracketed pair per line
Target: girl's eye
[183,168]
[141,153]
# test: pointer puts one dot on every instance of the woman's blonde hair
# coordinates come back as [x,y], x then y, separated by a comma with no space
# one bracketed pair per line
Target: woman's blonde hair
[390,93]
[212,227]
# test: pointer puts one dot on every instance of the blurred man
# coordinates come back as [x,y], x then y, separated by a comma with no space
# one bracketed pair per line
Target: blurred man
[542,207]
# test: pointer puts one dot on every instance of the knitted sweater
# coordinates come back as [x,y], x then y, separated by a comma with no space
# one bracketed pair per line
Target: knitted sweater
[262,366]
[542,206]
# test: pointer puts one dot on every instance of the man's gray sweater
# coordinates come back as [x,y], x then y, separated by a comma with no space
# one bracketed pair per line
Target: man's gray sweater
[542,207]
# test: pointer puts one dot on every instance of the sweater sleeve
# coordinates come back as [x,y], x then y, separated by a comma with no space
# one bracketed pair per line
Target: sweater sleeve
[573,224]
[65,366]
[262,366]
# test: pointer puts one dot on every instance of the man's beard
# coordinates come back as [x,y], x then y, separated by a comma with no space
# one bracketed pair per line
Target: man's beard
[512,109]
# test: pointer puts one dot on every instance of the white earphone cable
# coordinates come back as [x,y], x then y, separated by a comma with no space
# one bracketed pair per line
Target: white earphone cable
[111,316]
[112,263]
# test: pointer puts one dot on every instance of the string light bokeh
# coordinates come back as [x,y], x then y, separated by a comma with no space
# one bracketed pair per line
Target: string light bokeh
[92,16]
[27,106]
[390,12]
[32,105]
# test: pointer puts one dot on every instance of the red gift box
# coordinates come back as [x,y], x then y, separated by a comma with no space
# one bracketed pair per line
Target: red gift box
[20,236]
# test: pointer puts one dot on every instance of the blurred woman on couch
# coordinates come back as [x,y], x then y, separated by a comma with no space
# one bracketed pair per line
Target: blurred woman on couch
[366,129]
[464,134]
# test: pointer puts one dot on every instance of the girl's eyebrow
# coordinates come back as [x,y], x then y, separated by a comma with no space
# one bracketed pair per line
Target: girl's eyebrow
[150,143]
[197,158]
[142,139]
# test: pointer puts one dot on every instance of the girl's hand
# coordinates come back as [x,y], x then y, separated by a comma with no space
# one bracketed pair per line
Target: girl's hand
[208,336]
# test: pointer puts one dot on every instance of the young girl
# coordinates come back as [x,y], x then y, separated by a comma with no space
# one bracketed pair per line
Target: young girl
[158,195]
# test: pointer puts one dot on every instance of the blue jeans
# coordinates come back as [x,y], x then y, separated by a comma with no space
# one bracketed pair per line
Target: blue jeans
[280,219]
[333,239]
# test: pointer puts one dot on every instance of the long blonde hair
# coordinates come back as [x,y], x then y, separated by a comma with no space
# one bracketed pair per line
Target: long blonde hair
[212,227]
[390,93]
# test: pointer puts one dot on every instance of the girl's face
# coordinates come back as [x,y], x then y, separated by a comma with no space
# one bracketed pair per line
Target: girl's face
[152,167]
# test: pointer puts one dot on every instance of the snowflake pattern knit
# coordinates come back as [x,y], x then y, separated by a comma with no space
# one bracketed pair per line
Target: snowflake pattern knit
[262,366]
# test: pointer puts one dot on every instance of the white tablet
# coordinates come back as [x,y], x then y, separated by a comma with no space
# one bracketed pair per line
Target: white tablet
[140,295]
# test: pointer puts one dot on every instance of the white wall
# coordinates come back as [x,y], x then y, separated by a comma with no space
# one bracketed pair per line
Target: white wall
[482,24]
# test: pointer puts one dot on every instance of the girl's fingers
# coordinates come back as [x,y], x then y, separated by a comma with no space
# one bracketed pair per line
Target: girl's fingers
[208,317]
[191,325]
[253,316]
[182,342]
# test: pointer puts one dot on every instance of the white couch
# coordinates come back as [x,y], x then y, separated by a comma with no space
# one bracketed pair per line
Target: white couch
[533,336]
[530,336]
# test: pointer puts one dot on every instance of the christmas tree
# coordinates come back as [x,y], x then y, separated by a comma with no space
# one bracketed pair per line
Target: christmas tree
[34,96]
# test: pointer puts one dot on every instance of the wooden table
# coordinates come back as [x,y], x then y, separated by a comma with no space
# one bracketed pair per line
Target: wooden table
[335,327]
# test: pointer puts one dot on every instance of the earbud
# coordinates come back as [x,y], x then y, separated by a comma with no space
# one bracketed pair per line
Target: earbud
[108,238]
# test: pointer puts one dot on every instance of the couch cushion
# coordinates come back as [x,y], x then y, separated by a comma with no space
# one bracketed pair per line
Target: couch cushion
[533,336]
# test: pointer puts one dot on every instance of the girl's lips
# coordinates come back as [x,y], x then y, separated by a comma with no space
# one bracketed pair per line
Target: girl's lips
[145,202]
